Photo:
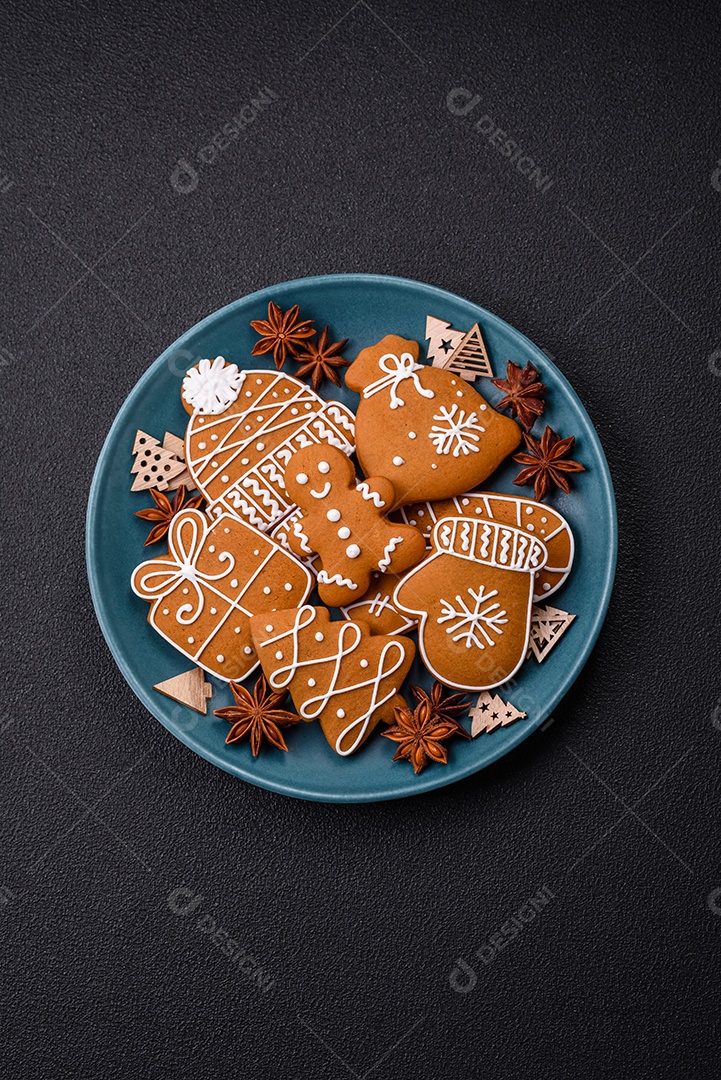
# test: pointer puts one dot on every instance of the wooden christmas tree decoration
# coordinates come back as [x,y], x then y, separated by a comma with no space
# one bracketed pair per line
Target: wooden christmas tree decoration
[155,467]
[443,340]
[189,688]
[176,447]
[548,625]
[470,359]
[464,354]
[491,712]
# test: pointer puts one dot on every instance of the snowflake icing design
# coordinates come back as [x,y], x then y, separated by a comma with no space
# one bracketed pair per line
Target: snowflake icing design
[455,432]
[211,389]
[474,624]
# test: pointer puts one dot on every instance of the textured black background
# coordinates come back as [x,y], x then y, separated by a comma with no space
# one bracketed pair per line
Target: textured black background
[360,913]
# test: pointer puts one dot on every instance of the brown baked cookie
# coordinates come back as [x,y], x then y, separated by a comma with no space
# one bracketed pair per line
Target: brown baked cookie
[244,427]
[344,521]
[377,608]
[473,595]
[424,428]
[214,577]
[535,518]
[336,671]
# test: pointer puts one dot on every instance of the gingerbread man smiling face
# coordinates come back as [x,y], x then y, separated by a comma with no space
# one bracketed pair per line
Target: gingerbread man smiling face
[344,521]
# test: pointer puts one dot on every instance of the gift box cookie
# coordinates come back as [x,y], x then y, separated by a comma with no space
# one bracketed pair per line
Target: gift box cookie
[215,577]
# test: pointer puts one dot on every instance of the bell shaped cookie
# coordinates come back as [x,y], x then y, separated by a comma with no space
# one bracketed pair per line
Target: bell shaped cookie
[424,428]
[473,595]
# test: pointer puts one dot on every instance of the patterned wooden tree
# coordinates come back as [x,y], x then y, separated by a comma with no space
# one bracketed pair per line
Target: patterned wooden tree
[155,467]
[442,338]
[548,625]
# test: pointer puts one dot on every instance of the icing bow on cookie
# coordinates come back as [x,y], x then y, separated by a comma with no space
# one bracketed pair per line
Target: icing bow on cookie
[398,369]
[161,576]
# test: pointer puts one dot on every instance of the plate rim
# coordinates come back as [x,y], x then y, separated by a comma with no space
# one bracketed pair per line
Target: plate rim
[408,786]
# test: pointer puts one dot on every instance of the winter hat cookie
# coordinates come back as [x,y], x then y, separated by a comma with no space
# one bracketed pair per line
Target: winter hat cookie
[213,579]
[344,522]
[335,671]
[473,595]
[424,428]
[243,429]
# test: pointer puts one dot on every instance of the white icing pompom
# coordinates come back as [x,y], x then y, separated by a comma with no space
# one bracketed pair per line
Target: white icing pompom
[211,386]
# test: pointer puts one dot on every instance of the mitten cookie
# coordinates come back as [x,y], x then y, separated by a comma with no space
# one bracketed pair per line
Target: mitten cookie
[473,595]
[344,522]
[243,429]
[214,577]
[335,671]
[533,517]
[424,428]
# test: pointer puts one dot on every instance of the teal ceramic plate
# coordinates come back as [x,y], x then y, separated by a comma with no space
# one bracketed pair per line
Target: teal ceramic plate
[362,308]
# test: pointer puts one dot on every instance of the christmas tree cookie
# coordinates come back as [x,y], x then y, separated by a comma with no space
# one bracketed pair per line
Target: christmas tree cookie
[336,672]
[423,427]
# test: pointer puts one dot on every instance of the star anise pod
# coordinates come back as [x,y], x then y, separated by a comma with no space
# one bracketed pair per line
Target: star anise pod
[257,715]
[443,707]
[420,731]
[322,359]
[281,332]
[164,511]
[524,393]
[546,462]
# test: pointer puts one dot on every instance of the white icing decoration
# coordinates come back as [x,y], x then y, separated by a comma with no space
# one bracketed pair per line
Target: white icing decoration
[333,515]
[470,624]
[220,658]
[349,638]
[352,551]
[397,369]
[301,478]
[211,388]
[455,431]
[411,434]
[287,586]
[321,494]
[337,579]
[397,460]
[390,547]
[344,532]
[323,467]
[340,713]
[369,495]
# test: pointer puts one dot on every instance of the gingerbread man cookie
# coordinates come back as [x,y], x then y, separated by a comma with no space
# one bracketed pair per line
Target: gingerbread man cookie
[336,671]
[344,521]
[424,428]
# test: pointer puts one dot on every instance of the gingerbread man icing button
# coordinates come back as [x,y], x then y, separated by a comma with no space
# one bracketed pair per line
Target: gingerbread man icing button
[424,428]
[344,521]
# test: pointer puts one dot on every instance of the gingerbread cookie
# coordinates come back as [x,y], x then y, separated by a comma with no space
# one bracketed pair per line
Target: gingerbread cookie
[244,428]
[473,595]
[213,579]
[344,521]
[377,608]
[535,518]
[423,427]
[335,671]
